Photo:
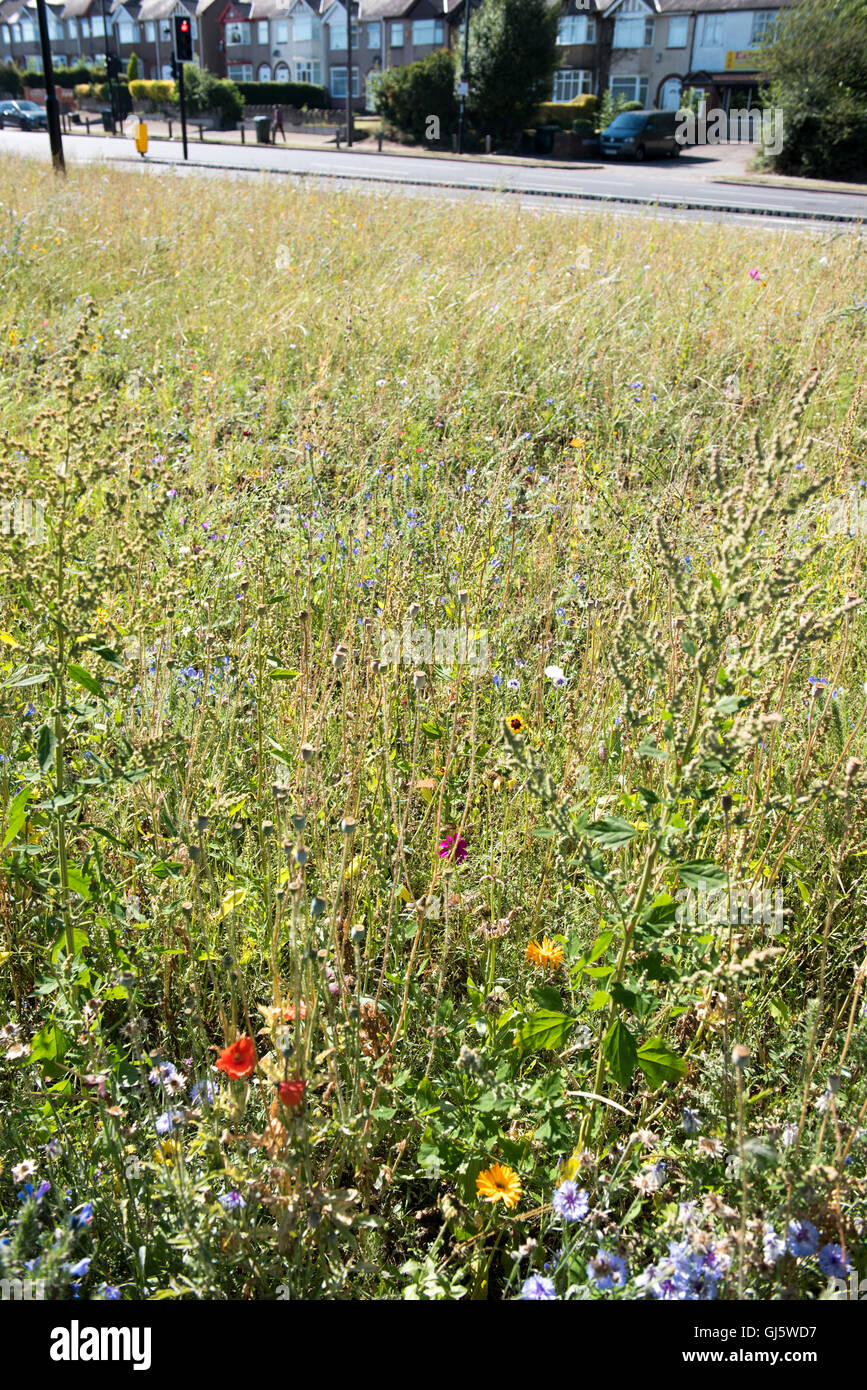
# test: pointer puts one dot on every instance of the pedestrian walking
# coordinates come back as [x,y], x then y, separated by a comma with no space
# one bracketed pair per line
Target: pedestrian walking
[277,124]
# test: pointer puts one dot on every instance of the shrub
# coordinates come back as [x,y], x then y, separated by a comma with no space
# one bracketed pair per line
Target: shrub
[513,52]
[297,94]
[10,80]
[70,78]
[158,92]
[205,93]
[555,113]
[132,68]
[406,97]
[587,102]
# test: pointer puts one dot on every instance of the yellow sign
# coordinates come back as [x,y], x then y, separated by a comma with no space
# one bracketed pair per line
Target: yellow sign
[141,138]
[742,60]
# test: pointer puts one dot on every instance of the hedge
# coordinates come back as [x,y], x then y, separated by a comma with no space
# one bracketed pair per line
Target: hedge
[297,94]
[160,92]
[11,84]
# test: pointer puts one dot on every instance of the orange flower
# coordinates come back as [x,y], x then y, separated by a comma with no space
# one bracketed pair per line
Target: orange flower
[499,1184]
[238,1059]
[291,1093]
[289,1012]
[515,723]
[546,954]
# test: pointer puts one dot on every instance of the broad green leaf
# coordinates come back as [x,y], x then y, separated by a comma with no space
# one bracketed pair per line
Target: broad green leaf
[232,901]
[600,945]
[85,679]
[618,1048]
[17,816]
[45,746]
[543,1031]
[49,1045]
[702,871]
[78,883]
[282,673]
[610,831]
[659,1063]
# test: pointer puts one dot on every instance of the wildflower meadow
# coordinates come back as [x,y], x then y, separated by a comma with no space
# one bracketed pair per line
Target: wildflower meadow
[432,750]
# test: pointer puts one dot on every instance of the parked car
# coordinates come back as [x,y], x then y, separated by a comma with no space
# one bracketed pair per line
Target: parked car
[641,134]
[27,115]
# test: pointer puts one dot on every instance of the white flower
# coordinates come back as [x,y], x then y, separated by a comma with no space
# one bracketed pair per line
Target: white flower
[555,675]
[22,1171]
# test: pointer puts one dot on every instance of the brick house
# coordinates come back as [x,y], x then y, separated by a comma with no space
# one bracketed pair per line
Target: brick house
[83,31]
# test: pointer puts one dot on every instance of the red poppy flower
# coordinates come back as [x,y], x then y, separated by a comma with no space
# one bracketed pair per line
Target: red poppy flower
[291,1093]
[289,1011]
[238,1059]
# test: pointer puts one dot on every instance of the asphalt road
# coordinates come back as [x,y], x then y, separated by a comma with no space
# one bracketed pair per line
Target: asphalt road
[683,186]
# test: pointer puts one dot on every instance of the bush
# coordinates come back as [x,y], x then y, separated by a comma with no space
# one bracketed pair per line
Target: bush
[10,80]
[159,92]
[587,102]
[297,94]
[407,97]
[205,93]
[555,113]
[132,68]
[513,52]
[70,78]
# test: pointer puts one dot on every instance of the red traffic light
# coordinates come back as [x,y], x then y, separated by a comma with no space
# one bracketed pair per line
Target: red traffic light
[185,26]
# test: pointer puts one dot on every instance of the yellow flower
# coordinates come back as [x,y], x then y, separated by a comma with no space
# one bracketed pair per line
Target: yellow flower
[546,954]
[169,1151]
[499,1184]
[576,443]
[515,723]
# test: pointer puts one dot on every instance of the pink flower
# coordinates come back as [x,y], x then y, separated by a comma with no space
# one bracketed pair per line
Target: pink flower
[456,842]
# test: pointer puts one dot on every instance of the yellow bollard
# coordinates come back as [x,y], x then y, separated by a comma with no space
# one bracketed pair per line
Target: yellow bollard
[141,138]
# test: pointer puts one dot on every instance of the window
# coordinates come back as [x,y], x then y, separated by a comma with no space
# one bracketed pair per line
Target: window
[281,72]
[127,32]
[338,82]
[281,31]
[374,35]
[166,72]
[576,28]
[239,72]
[28,31]
[763,20]
[97,24]
[677,31]
[71,29]
[396,36]
[237,34]
[263,72]
[302,28]
[35,61]
[262,33]
[426,31]
[308,70]
[85,28]
[630,88]
[572,82]
[150,33]
[711,35]
[166,31]
[55,27]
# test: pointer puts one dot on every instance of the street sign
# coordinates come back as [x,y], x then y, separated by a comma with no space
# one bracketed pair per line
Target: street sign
[463,89]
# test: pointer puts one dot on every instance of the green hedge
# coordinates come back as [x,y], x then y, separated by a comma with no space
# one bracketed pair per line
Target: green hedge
[297,94]
[11,84]
[406,98]
[159,92]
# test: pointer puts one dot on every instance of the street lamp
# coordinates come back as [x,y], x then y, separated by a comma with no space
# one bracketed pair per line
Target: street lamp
[52,109]
[463,87]
[349,70]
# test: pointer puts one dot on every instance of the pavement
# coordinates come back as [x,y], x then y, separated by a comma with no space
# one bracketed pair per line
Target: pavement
[706,182]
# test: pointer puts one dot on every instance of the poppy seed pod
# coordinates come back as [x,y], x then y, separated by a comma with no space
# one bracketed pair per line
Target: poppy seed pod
[202,823]
[298,823]
[340,658]
[317,907]
[308,752]
[301,855]
[740,1055]
[419,680]
[414,610]
[348,825]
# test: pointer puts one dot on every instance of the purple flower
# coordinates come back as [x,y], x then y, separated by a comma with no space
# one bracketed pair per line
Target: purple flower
[537,1287]
[460,848]
[82,1267]
[607,1271]
[833,1262]
[110,1291]
[232,1201]
[83,1217]
[803,1238]
[165,1123]
[570,1203]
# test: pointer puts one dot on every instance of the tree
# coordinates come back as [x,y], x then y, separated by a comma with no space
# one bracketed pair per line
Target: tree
[420,98]
[513,53]
[816,59]
[132,68]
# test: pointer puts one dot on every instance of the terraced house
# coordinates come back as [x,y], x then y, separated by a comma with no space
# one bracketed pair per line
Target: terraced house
[84,31]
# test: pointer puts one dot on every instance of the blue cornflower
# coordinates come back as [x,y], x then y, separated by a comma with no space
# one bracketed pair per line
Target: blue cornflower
[689,1120]
[537,1287]
[161,1073]
[803,1238]
[833,1262]
[203,1090]
[232,1201]
[110,1291]
[81,1267]
[570,1203]
[165,1123]
[607,1271]
[83,1217]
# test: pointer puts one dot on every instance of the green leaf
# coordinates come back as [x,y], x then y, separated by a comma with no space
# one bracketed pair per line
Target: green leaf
[600,946]
[78,883]
[610,831]
[702,871]
[432,729]
[282,673]
[85,679]
[619,1051]
[25,680]
[49,1045]
[45,746]
[232,901]
[17,816]
[543,1031]
[598,999]
[659,1063]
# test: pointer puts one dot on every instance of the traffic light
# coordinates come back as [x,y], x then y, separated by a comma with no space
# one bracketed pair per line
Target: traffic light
[183,39]
[112,67]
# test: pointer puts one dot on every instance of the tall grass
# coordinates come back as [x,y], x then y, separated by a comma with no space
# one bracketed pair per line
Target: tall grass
[625,458]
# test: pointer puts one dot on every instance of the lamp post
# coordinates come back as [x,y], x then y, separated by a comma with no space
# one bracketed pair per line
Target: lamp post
[349,70]
[465,74]
[52,109]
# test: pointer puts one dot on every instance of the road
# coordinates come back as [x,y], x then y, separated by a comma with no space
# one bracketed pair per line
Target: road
[685,186]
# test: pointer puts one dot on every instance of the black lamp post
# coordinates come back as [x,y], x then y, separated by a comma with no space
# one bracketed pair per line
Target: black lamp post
[52,108]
